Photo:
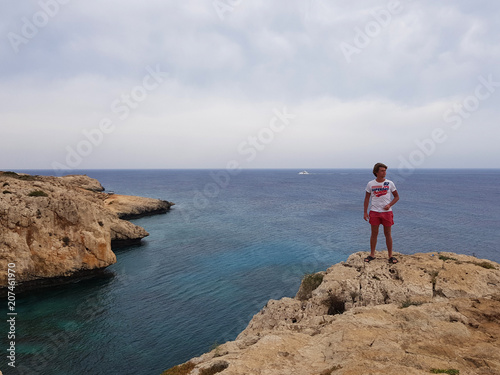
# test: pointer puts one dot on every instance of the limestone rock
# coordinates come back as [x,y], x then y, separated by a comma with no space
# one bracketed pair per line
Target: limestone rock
[429,311]
[130,207]
[56,227]
[84,182]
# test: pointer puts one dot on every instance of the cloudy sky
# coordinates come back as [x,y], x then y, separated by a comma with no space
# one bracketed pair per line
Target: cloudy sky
[254,83]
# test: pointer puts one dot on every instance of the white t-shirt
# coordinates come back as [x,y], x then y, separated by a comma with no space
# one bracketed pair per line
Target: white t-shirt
[380,194]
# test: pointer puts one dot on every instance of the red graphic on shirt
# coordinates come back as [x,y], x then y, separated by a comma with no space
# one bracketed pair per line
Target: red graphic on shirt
[380,190]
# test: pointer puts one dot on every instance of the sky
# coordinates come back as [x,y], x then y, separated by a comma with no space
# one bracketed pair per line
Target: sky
[249,84]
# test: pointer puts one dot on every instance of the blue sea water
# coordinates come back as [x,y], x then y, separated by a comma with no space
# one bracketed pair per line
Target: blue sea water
[229,245]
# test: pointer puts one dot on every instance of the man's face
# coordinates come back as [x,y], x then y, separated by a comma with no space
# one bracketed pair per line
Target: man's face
[381,172]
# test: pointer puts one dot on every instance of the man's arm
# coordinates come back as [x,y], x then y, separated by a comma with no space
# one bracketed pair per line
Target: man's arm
[367,201]
[393,202]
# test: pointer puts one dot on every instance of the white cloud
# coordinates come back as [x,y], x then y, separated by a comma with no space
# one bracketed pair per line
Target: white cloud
[225,77]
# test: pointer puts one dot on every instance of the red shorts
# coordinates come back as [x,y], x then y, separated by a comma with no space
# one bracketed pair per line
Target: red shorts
[384,218]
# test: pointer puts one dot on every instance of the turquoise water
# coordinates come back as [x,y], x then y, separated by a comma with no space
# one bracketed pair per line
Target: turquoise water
[222,252]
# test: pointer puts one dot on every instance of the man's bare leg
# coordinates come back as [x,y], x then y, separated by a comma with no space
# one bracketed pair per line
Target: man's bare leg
[388,240]
[373,240]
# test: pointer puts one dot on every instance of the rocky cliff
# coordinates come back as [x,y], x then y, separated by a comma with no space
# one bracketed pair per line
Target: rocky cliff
[430,313]
[130,207]
[53,228]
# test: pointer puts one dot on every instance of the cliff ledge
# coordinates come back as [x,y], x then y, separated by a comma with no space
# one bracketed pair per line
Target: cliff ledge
[431,312]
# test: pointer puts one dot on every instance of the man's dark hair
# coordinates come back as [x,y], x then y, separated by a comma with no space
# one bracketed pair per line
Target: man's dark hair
[377,166]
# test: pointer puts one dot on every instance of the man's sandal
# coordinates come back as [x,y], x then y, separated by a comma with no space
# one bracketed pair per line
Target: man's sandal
[369,258]
[393,260]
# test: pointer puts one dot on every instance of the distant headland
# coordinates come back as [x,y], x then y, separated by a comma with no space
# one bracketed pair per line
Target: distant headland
[56,229]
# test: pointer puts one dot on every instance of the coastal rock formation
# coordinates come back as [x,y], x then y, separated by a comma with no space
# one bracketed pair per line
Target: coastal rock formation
[129,207]
[84,182]
[430,312]
[53,228]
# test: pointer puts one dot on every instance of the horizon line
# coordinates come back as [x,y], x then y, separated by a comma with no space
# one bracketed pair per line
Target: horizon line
[218,168]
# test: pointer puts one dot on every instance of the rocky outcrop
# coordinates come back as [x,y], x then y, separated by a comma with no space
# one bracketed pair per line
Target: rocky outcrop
[129,207]
[55,228]
[84,182]
[430,312]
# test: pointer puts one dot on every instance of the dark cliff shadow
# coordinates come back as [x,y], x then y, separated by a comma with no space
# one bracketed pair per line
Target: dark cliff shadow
[124,246]
[80,279]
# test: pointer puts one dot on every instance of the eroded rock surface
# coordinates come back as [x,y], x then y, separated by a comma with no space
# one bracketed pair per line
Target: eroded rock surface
[84,182]
[129,207]
[429,311]
[53,227]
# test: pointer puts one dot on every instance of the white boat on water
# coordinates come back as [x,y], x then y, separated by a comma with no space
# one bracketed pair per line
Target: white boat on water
[304,172]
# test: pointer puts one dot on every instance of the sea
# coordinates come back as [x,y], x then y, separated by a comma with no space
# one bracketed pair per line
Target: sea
[233,241]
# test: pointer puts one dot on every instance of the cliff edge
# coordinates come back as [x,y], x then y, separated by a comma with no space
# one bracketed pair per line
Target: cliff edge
[129,207]
[56,228]
[430,313]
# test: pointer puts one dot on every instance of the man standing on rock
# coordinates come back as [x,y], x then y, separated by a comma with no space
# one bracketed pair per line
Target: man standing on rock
[379,190]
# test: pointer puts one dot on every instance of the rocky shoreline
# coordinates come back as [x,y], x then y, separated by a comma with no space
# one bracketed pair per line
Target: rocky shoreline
[430,313]
[56,229]
[129,207]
